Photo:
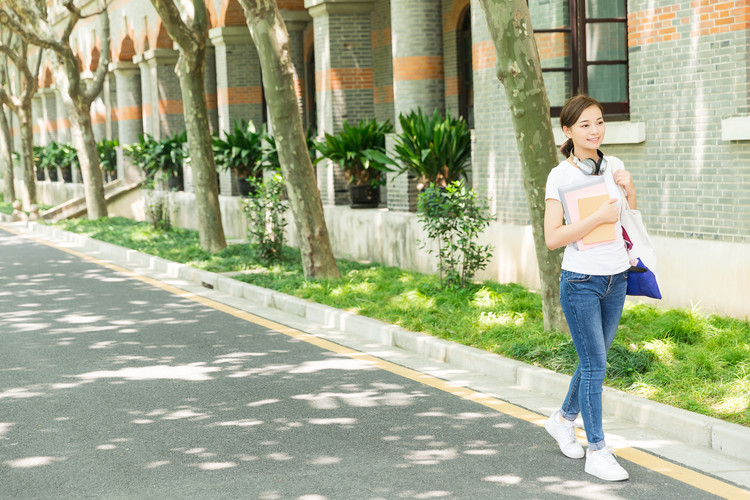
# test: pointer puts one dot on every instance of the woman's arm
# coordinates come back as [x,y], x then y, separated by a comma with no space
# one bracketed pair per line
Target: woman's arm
[624,180]
[558,234]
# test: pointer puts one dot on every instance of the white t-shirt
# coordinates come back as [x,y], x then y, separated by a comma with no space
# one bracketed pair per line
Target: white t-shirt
[603,260]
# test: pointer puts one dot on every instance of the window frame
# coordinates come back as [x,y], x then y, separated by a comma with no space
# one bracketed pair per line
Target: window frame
[579,63]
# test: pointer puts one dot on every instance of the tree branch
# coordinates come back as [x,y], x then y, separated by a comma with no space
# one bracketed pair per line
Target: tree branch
[177,29]
[35,30]
[105,56]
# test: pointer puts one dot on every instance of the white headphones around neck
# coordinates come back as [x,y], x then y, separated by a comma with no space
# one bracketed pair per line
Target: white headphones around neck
[589,166]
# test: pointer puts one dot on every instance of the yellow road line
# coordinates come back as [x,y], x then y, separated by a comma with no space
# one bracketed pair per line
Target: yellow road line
[638,457]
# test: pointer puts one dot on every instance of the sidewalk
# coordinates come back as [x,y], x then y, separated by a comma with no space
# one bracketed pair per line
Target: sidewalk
[696,441]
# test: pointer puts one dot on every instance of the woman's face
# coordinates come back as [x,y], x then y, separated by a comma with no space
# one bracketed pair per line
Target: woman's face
[587,133]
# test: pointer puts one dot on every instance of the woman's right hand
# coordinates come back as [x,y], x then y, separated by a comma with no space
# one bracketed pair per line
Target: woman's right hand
[608,212]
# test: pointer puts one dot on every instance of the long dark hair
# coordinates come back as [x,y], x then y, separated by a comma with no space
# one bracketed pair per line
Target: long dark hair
[570,114]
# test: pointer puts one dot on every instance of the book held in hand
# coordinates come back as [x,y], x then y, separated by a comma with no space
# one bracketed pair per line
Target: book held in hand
[581,199]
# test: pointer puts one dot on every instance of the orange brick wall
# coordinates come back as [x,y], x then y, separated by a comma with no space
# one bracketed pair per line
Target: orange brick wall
[483,55]
[705,17]
[344,79]
[417,68]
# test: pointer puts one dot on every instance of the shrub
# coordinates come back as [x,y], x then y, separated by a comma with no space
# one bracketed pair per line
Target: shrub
[454,217]
[265,208]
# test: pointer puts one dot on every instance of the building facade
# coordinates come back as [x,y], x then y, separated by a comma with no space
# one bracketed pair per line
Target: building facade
[674,77]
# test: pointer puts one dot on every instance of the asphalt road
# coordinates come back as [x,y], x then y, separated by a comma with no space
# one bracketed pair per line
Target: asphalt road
[111,387]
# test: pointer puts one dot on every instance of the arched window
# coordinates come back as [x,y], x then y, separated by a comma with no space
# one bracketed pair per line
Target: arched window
[465,69]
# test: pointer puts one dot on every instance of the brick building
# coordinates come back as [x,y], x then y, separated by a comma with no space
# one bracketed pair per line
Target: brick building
[674,76]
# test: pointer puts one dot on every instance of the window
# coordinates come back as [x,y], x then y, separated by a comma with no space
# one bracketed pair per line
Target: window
[583,49]
[465,69]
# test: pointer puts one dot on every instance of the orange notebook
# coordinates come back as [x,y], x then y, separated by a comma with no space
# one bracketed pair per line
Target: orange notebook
[602,233]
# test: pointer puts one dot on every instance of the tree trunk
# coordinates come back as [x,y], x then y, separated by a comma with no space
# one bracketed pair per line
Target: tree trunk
[272,41]
[82,136]
[210,228]
[520,72]
[6,144]
[28,196]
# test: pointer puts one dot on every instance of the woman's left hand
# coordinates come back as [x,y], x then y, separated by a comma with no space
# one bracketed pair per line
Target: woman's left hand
[623,179]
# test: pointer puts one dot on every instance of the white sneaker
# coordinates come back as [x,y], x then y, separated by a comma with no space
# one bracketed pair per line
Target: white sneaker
[565,434]
[602,464]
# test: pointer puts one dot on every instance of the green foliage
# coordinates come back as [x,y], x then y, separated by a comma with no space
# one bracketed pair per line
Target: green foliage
[154,156]
[240,150]
[107,151]
[360,151]
[265,209]
[434,149]
[454,217]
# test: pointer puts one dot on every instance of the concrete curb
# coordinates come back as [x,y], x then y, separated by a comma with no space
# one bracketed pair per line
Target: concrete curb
[688,427]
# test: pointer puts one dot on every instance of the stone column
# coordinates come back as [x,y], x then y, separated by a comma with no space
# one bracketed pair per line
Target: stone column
[343,77]
[418,80]
[239,87]
[209,83]
[37,119]
[147,107]
[63,122]
[127,112]
[167,116]
[296,21]
[49,115]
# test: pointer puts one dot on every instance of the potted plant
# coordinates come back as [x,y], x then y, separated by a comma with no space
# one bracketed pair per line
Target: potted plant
[108,157]
[434,149]
[164,156]
[360,151]
[38,152]
[241,151]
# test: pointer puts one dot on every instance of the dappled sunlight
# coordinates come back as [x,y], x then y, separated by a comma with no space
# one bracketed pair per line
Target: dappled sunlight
[732,404]
[663,349]
[31,462]
[582,489]
[19,393]
[415,299]
[194,372]
[490,319]
[176,396]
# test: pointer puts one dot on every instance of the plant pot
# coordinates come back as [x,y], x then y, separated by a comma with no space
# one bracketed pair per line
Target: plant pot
[364,196]
[175,183]
[244,186]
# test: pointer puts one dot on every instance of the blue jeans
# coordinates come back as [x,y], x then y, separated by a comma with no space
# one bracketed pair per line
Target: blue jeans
[592,306]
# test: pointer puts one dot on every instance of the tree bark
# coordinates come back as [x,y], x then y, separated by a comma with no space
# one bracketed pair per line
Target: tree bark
[82,137]
[272,41]
[520,72]
[28,195]
[202,161]
[30,23]
[6,144]
[191,36]
[20,105]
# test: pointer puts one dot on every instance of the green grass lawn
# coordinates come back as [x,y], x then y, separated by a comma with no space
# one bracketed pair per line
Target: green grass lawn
[680,357]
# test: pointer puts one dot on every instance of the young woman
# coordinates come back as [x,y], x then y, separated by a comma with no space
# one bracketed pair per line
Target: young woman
[593,281]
